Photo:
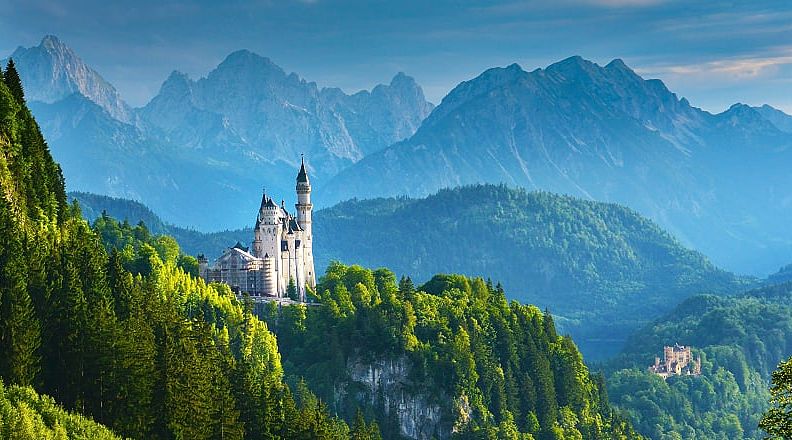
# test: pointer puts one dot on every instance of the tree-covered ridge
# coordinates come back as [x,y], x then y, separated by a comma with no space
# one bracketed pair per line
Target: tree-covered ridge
[494,369]
[25,415]
[741,340]
[109,324]
[601,268]
[192,242]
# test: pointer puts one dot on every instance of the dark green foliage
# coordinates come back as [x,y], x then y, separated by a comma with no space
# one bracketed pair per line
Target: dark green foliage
[291,290]
[192,242]
[486,366]
[778,420]
[13,81]
[740,339]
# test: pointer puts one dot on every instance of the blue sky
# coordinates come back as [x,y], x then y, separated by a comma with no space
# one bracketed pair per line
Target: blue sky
[713,53]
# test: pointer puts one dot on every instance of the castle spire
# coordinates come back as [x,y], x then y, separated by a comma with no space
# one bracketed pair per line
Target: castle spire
[302,176]
[263,196]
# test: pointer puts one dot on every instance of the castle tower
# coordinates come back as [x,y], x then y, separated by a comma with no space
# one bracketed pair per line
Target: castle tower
[304,211]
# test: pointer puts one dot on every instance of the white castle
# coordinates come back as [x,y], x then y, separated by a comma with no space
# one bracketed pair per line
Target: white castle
[282,250]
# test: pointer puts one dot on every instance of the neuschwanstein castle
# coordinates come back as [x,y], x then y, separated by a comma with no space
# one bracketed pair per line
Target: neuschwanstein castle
[282,250]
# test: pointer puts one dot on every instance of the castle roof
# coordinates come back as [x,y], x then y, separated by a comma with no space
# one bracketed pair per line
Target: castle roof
[293,225]
[239,246]
[302,176]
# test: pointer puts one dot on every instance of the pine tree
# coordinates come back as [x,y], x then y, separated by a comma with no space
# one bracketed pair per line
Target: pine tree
[13,81]
[406,288]
[20,331]
[291,290]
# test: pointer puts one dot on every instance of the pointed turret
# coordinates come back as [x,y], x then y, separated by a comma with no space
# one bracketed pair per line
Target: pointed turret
[302,176]
[303,224]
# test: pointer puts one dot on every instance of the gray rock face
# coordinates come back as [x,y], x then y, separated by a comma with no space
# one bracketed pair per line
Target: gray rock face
[603,133]
[52,71]
[386,382]
[250,107]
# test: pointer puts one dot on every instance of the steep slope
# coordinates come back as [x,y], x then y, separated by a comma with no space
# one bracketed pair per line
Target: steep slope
[52,71]
[602,133]
[781,120]
[741,340]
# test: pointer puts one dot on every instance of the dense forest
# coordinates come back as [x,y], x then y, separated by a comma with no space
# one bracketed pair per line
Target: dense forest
[454,350]
[741,340]
[117,330]
[602,269]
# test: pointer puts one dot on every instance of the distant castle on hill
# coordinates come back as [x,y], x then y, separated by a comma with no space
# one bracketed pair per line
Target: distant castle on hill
[677,361]
[282,250]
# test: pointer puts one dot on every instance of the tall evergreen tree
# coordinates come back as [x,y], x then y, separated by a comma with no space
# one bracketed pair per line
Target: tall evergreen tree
[20,331]
[13,81]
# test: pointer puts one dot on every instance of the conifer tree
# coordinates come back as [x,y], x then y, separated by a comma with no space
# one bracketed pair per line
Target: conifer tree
[291,290]
[13,81]
[20,331]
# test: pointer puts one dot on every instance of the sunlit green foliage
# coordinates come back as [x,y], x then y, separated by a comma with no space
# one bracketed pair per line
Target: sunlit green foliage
[24,415]
[778,420]
[496,369]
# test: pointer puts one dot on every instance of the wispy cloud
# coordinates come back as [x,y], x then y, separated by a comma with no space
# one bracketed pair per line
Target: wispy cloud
[623,3]
[724,69]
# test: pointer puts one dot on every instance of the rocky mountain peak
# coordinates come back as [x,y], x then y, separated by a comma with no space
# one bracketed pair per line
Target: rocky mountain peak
[52,71]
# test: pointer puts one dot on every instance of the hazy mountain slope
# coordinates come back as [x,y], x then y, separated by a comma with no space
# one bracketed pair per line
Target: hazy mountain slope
[602,133]
[781,120]
[52,71]
[192,242]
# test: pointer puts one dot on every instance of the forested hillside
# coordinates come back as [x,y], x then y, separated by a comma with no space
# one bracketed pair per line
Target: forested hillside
[452,356]
[741,340]
[601,268]
[191,241]
[117,331]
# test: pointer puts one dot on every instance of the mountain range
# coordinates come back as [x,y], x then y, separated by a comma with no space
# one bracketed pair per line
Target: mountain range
[197,148]
[200,150]
[717,181]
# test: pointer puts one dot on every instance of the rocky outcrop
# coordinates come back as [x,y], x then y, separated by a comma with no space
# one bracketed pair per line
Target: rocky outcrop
[386,383]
